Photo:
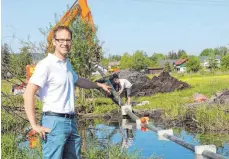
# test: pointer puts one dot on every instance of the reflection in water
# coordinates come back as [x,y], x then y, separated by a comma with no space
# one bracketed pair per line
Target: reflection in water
[128,140]
[124,132]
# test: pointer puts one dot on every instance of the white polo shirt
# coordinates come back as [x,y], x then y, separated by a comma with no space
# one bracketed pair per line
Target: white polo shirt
[125,83]
[56,79]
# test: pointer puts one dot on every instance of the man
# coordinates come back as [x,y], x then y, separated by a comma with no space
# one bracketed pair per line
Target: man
[125,85]
[54,79]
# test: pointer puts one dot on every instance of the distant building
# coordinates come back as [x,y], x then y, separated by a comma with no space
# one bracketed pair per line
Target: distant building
[154,70]
[113,64]
[180,65]
[163,62]
[204,61]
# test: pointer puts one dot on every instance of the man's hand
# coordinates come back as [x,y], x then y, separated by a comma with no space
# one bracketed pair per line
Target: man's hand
[119,92]
[105,88]
[41,130]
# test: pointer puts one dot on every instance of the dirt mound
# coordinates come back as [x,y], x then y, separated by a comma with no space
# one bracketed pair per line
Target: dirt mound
[220,98]
[144,86]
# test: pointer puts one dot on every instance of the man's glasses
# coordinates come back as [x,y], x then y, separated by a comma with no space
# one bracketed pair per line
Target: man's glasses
[63,40]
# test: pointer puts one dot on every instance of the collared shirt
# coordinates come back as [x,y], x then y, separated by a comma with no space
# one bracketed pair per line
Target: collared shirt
[125,83]
[56,80]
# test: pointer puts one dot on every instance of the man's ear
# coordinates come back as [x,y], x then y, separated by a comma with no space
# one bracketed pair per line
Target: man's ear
[54,42]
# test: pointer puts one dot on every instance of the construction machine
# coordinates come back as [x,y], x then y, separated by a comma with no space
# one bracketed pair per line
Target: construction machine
[79,8]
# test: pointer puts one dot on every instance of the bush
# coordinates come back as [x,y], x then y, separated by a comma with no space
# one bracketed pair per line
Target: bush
[10,147]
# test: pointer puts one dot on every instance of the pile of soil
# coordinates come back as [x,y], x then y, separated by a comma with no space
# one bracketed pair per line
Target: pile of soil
[220,98]
[144,86]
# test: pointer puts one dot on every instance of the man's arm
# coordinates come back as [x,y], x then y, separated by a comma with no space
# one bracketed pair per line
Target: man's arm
[85,83]
[29,104]
[121,90]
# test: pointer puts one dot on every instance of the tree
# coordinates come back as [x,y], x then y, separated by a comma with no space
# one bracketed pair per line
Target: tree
[156,57]
[172,55]
[207,52]
[114,57]
[85,48]
[182,54]
[5,60]
[193,64]
[167,67]
[126,61]
[212,62]
[140,61]
[19,62]
[221,51]
[104,62]
[225,63]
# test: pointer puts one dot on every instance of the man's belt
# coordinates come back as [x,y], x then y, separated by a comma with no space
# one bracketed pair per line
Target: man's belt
[70,116]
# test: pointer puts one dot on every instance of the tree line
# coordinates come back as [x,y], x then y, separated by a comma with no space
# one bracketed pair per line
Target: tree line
[140,60]
[86,51]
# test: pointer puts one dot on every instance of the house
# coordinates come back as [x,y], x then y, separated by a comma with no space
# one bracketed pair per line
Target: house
[179,65]
[113,64]
[163,62]
[154,70]
[204,61]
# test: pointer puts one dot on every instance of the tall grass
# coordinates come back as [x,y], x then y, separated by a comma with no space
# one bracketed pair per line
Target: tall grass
[10,150]
[173,102]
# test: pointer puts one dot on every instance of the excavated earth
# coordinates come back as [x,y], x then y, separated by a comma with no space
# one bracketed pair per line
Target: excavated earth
[220,98]
[144,86]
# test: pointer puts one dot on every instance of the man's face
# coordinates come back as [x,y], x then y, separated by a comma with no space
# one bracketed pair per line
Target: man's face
[62,42]
[116,80]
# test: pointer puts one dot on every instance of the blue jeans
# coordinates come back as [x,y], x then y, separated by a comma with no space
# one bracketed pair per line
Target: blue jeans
[63,142]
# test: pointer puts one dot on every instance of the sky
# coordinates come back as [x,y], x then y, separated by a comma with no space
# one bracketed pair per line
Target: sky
[154,26]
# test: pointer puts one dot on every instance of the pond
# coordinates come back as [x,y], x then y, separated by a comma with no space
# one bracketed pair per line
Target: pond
[146,142]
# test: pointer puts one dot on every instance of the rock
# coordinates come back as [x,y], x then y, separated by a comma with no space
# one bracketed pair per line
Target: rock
[142,103]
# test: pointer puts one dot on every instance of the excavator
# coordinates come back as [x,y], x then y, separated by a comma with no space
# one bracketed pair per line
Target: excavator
[79,8]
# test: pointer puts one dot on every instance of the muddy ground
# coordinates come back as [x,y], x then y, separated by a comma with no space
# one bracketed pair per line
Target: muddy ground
[144,86]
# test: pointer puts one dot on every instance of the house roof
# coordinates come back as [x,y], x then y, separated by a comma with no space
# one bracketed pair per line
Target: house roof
[203,58]
[217,57]
[150,68]
[180,61]
[162,62]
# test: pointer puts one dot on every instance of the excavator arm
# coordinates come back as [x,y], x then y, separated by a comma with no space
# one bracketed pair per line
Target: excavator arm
[79,8]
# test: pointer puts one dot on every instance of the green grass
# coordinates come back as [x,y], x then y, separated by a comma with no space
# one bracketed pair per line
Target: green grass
[9,147]
[111,151]
[104,105]
[214,117]
[173,102]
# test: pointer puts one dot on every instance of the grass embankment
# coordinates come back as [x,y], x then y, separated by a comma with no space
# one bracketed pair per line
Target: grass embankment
[208,117]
